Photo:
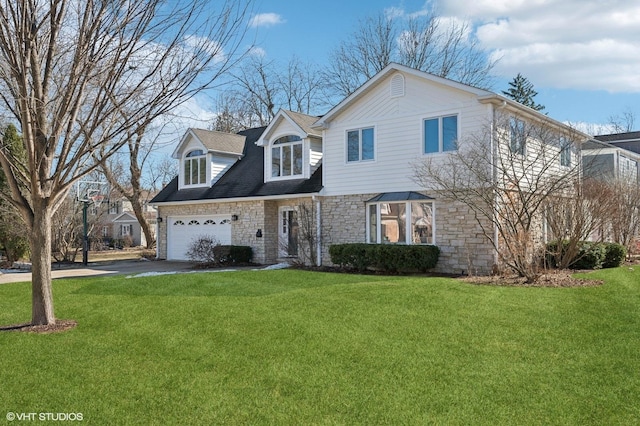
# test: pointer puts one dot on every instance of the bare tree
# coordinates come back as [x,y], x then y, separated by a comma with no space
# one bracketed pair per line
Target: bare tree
[426,43]
[71,69]
[261,88]
[572,220]
[623,214]
[505,174]
[126,175]
[623,122]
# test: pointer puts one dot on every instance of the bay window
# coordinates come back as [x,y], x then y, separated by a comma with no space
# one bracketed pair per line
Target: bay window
[401,222]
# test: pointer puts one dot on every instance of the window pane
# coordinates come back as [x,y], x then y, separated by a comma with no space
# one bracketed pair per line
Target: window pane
[353,146]
[297,159]
[394,224]
[373,223]
[517,136]
[367,144]
[431,136]
[449,133]
[422,223]
[275,162]
[203,170]
[286,160]
[187,172]
[194,171]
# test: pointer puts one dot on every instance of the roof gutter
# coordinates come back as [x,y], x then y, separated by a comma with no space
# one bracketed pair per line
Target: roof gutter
[234,200]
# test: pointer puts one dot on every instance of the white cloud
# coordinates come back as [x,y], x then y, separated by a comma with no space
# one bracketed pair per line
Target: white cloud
[266,20]
[559,43]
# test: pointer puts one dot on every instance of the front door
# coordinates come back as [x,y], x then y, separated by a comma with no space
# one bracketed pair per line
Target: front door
[288,232]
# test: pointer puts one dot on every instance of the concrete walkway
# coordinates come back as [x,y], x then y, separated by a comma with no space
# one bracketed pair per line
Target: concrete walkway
[126,267]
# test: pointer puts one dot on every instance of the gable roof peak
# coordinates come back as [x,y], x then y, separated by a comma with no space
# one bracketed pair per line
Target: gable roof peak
[387,71]
[302,122]
[214,141]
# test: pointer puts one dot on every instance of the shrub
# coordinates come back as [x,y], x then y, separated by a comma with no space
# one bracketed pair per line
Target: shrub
[232,255]
[590,255]
[206,249]
[384,257]
[615,254]
[201,249]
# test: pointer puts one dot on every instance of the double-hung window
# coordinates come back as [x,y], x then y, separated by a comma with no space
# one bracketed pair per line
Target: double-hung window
[517,136]
[400,222]
[286,157]
[565,152]
[440,134]
[360,145]
[195,168]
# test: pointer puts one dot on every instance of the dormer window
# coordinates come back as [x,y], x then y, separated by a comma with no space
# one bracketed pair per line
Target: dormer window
[286,156]
[195,168]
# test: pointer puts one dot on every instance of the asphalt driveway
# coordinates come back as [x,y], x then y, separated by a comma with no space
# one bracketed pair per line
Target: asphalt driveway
[125,267]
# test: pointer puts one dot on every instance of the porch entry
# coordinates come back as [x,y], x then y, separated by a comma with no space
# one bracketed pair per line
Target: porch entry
[288,232]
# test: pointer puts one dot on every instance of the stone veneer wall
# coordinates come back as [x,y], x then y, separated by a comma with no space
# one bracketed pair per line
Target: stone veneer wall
[251,217]
[463,247]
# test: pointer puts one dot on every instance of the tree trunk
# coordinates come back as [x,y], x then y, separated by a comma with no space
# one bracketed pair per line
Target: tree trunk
[41,291]
[144,223]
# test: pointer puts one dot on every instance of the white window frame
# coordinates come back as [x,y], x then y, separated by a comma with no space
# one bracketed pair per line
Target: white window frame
[360,151]
[440,118]
[197,160]
[517,137]
[279,146]
[408,223]
[126,230]
[565,152]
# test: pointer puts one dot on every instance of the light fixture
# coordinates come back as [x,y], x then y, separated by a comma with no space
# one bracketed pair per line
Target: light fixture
[159,220]
[259,233]
[234,217]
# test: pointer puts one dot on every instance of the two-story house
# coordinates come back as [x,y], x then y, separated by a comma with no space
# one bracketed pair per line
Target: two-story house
[353,166]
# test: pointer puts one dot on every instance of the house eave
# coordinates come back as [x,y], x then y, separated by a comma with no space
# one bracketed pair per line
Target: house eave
[237,199]
[503,102]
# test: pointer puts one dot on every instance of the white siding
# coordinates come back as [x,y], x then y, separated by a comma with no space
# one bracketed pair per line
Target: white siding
[398,124]
[219,166]
[315,154]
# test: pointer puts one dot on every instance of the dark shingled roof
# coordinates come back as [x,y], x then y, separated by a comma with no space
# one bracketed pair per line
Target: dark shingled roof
[619,137]
[629,140]
[244,179]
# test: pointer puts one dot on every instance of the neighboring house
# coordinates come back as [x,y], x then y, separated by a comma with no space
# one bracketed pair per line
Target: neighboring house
[604,159]
[628,140]
[118,222]
[350,167]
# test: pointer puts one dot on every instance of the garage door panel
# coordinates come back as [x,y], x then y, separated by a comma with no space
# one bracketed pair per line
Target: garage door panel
[182,231]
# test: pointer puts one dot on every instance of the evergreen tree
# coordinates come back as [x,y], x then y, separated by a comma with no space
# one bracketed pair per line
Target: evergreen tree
[521,90]
[12,236]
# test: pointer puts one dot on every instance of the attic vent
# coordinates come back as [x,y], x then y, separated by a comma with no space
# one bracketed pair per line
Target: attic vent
[397,85]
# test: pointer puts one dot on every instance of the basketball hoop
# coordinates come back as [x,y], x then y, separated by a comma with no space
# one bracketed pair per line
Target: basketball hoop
[97,200]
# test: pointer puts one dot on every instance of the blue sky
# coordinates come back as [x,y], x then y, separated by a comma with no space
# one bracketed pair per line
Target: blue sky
[582,56]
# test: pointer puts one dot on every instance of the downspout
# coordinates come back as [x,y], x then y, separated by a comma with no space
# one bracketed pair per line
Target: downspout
[316,199]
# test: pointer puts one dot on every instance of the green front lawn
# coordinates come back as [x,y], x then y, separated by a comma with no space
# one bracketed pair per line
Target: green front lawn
[296,347]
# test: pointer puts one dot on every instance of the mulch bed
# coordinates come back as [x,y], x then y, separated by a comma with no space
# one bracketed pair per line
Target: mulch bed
[59,326]
[561,278]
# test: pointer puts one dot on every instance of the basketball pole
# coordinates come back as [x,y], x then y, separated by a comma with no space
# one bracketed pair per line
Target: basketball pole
[85,237]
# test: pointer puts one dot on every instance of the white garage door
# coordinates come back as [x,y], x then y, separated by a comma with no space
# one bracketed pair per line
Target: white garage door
[183,230]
